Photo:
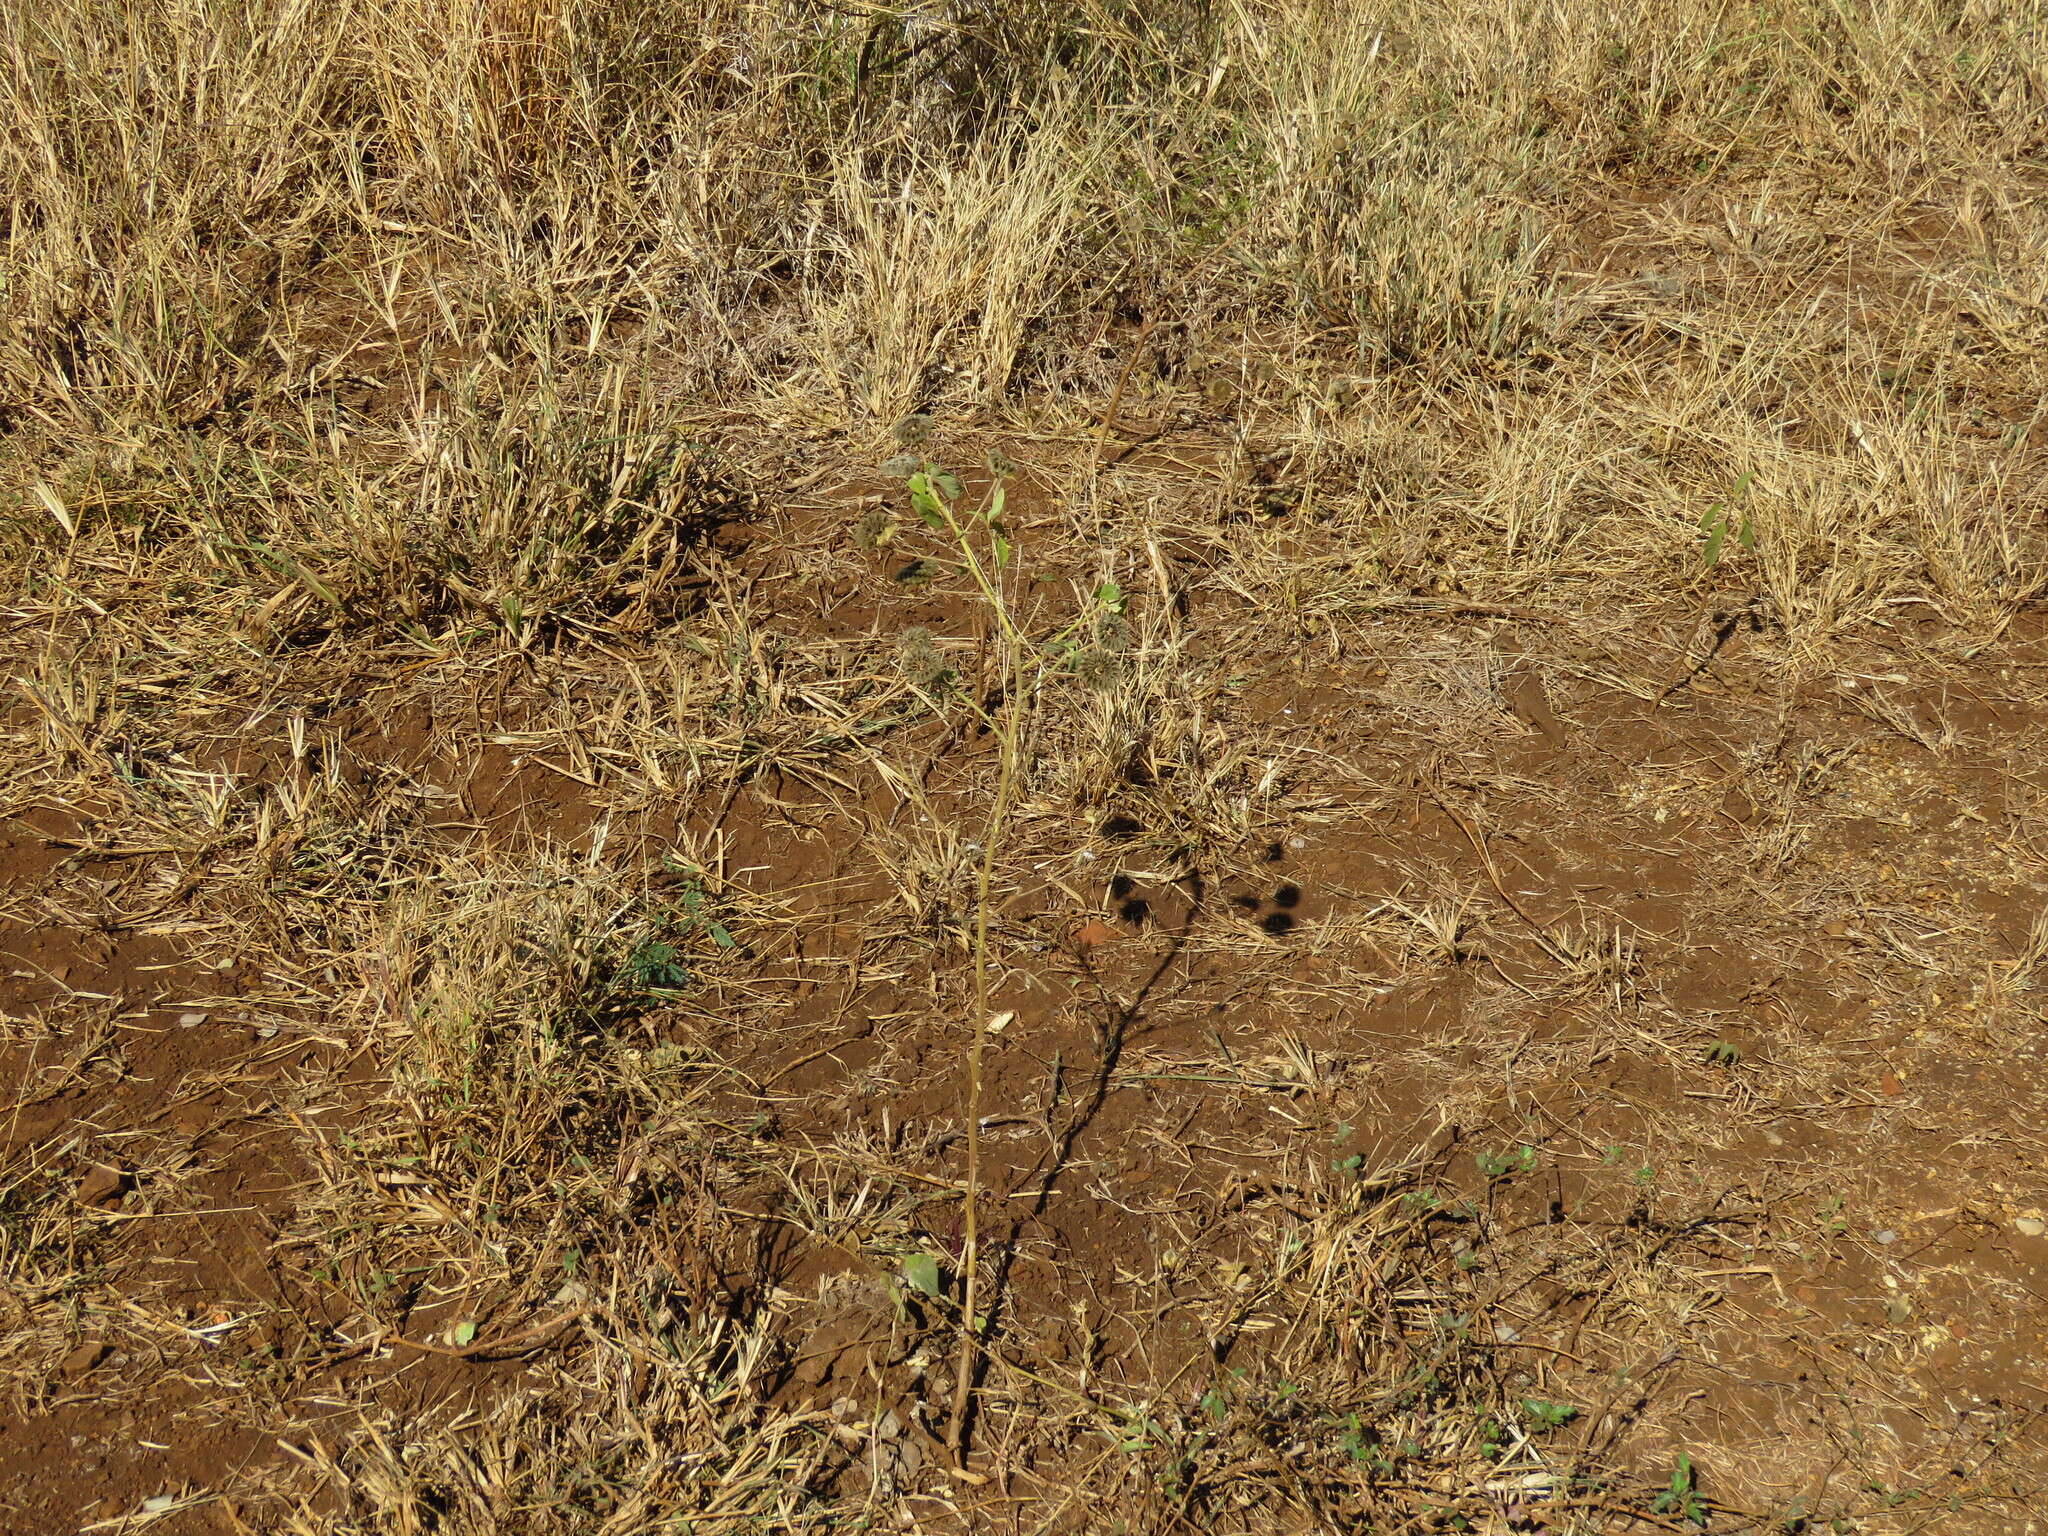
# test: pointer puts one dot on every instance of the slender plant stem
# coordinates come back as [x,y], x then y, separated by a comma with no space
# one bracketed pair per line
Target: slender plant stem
[1009,735]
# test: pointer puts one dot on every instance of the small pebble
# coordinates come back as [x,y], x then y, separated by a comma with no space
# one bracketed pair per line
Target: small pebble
[192,1020]
[2031,1226]
[266,1031]
[1297,842]
[1886,1236]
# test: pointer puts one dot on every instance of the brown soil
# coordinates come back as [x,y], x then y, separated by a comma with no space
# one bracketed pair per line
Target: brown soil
[1703,987]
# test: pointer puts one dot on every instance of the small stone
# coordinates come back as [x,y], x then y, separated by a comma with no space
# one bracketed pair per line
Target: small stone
[192,1020]
[1886,1236]
[266,1032]
[2031,1226]
[83,1359]
[103,1185]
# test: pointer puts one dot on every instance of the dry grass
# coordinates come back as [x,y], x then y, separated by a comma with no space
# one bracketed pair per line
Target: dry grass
[465,644]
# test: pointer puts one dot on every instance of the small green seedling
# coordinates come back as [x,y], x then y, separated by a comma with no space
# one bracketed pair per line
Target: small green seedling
[1549,1415]
[1724,1053]
[1140,1432]
[658,967]
[1682,1497]
[920,1271]
[1490,1166]
[692,897]
[1719,520]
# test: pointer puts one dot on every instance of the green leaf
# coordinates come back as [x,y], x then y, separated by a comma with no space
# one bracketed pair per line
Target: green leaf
[1718,521]
[1713,554]
[1002,547]
[1550,1415]
[1112,597]
[921,1273]
[722,938]
[929,511]
[926,501]
[464,1333]
[948,487]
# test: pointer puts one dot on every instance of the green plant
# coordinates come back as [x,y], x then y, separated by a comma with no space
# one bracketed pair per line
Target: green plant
[1719,520]
[1138,1431]
[1362,1443]
[1490,1443]
[658,967]
[1499,1166]
[1681,1496]
[920,1271]
[1549,1415]
[1642,1173]
[695,906]
[982,540]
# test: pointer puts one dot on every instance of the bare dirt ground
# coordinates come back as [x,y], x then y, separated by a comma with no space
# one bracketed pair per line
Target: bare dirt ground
[1639,1048]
